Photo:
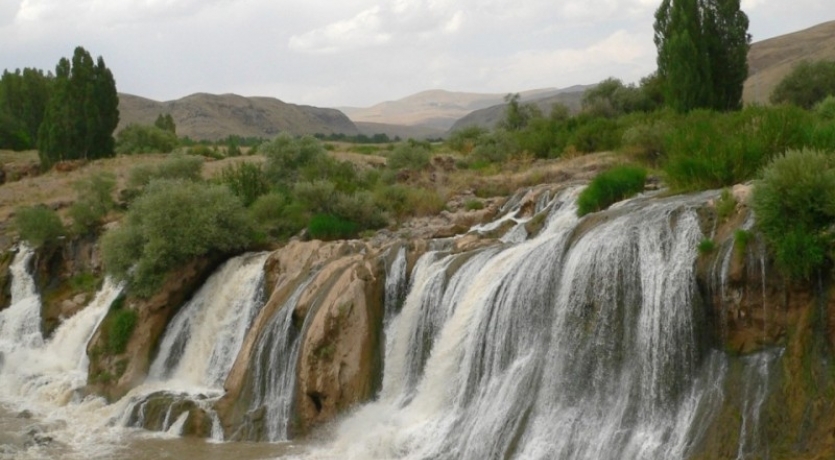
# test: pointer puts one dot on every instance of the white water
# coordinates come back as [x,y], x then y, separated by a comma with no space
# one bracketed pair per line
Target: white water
[200,345]
[570,345]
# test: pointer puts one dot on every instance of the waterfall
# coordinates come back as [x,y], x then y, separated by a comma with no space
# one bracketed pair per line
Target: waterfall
[20,324]
[202,341]
[198,349]
[585,342]
[273,381]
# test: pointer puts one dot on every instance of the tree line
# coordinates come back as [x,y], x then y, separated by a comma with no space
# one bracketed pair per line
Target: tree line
[67,115]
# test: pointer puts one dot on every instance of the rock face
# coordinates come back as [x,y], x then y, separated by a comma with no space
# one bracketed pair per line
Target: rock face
[113,374]
[338,289]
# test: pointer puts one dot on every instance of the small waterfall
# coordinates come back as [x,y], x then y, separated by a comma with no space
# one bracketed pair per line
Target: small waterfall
[273,381]
[20,324]
[202,341]
[396,284]
[199,348]
[756,385]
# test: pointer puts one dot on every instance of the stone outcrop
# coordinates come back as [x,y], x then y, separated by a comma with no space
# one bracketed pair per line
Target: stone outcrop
[113,375]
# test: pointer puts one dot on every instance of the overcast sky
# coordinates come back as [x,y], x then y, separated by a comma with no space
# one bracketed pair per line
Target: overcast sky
[356,52]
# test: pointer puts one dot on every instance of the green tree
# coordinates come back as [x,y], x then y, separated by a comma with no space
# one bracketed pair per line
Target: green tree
[136,138]
[287,156]
[166,123]
[702,53]
[23,99]
[806,85]
[82,113]
[518,115]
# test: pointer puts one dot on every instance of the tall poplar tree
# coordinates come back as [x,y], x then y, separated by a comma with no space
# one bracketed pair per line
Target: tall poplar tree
[82,113]
[702,53]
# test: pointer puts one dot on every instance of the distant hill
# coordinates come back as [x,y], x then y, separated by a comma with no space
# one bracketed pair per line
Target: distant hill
[435,108]
[212,117]
[401,131]
[488,117]
[769,61]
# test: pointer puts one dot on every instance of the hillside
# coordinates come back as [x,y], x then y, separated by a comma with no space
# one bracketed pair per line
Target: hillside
[488,117]
[771,60]
[436,108]
[212,117]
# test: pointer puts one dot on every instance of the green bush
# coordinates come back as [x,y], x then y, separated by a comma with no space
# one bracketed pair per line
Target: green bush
[646,141]
[330,227]
[411,157]
[174,167]
[596,135]
[795,205]
[464,140]
[725,205]
[473,205]
[826,108]
[494,147]
[38,225]
[246,180]
[706,246]
[278,217]
[401,201]
[611,186]
[95,200]
[121,324]
[136,138]
[172,222]
[806,85]
[286,156]
[205,151]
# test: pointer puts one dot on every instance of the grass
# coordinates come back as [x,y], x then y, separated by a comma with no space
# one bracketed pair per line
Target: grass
[610,187]
[706,246]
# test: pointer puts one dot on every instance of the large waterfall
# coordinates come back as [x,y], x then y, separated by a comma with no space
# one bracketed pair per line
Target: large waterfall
[588,340]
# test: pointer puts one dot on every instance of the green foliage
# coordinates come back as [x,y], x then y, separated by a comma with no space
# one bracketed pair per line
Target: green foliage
[595,135]
[38,225]
[330,227]
[610,187]
[706,246]
[646,141]
[121,324]
[495,147]
[174,167]
[166,123]
[246,180]
[826,108]
[287,156]
[82,112]
[795,207]
[202,150]
[517,115]
[278,217]
[611,98]
[408,156]
[400,201]
[473,205]
[806,85]
[23,99]
[702,53]
[172,222]
[464,140]
[94,201]
[136,138]
[710,150]
[741,240]
[725,205]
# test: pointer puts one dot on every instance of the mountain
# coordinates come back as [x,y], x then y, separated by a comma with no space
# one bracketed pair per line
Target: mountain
[435,108]
[212,117]
[769,61]
[488,117]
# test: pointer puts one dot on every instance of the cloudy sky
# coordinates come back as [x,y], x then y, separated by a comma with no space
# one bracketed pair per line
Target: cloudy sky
[356,52]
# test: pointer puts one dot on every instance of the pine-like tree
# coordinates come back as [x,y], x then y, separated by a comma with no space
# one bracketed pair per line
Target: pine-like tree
[166,123]
[702,53]
[82,113]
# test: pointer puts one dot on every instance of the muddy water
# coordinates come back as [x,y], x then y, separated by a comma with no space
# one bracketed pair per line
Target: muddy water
[24,437]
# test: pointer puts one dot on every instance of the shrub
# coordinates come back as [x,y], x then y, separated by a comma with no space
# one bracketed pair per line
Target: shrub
[38,225]
[172,222]
[121,324]
[330,227]
[401,201]
[173,167]
[278,217]
[95,200]
[795,205]
[411,157]
[806,85]
[495,147]
[136,138]
[246,180]
[611,186]
[725,205]
[741,240]
[646,141]
[473,205]
[596,135]
[826,108]
[464,140]
[286,156]
[706,246]
[205,151]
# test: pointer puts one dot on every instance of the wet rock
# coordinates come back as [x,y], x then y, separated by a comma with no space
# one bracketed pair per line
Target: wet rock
[24,414]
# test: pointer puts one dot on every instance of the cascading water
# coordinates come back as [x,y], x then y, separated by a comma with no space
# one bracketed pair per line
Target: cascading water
[200,345]
[586,342]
